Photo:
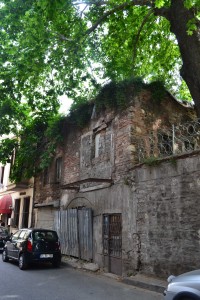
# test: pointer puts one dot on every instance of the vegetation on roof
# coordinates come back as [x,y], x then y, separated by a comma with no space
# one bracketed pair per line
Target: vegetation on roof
[35,144]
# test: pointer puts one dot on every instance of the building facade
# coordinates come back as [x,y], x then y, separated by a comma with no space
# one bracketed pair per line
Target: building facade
[16,201]
[114,193]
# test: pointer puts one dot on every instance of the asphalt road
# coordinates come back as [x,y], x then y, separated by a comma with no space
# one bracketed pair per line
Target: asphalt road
[46,283]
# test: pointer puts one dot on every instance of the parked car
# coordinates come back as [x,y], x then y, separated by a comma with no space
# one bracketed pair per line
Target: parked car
[33,245]
[183,287]
[4,236]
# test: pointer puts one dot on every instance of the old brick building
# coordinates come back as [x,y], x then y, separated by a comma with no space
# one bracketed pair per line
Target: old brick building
[108,204]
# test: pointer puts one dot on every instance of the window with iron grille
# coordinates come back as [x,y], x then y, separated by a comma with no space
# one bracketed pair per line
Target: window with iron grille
[165,144]
[112,235]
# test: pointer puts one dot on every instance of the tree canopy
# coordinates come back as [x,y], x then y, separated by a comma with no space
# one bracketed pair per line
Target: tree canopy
[55,47]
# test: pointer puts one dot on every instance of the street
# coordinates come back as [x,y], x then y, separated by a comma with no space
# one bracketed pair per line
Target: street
[42,282]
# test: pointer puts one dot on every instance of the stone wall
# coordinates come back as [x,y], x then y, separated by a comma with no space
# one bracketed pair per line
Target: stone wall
[168,210]
[160,217]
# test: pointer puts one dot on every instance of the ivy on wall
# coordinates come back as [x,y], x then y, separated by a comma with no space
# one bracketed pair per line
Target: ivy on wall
[35,145]
[117,96]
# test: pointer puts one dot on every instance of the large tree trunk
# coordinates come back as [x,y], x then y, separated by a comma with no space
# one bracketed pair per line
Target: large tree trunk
[189,48]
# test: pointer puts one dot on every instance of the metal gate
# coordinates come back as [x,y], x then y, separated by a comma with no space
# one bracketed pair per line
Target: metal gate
[112,243]
[74,227]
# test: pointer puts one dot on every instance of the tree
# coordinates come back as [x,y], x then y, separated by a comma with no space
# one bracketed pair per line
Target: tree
[54,47]
[51,47]
[145,28]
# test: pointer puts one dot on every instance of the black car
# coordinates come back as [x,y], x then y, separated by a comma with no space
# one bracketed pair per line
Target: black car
[33,245]
[4,236]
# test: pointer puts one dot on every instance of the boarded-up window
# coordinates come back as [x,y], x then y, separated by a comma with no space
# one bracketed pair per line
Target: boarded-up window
[102,144]
[97,144]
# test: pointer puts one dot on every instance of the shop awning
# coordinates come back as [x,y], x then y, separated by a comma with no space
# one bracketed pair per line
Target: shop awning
[5,204]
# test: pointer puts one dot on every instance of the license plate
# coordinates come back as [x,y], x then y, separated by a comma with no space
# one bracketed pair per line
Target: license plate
[46,255]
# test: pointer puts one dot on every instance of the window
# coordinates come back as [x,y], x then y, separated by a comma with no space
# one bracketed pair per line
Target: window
[165,144]
[1,174]
[12,159]
[189,145]
[16,235]
[97,145]
[25,217]
[45,235]
[22,234]
[58,169]
[16,212]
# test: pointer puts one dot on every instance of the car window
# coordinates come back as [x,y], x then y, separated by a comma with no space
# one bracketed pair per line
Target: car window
[23,234]
[45,235]
[15,235]
[51,236]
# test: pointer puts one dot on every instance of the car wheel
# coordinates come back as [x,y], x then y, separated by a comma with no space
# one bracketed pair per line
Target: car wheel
[4,256]
[22,262]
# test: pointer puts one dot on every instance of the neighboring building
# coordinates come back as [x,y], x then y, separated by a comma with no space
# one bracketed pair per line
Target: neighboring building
[6,203]
[107,204]
[16,200]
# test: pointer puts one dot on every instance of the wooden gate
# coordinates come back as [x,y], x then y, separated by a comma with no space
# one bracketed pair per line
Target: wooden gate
[74,227]
[112,243]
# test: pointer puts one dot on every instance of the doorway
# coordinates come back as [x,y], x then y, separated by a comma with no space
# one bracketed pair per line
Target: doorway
[112,243]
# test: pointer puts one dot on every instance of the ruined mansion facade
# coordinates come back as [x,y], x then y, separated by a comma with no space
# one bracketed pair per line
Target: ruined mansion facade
[122,194]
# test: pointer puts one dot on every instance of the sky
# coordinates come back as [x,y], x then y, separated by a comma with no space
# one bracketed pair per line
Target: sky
[65,104]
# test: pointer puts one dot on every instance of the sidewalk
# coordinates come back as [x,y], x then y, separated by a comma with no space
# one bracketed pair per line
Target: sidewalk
[139,280]
[146,282]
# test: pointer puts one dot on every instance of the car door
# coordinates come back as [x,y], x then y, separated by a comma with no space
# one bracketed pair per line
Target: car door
[11,245]
[18,245]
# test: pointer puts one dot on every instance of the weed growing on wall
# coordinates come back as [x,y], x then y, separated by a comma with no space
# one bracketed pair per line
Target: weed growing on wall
[151,161]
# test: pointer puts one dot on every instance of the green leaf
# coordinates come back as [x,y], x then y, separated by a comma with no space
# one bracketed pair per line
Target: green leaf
[159,3]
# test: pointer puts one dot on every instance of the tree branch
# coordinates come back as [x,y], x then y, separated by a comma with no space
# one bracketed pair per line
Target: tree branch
[118,8]
[139,31]
[163,12]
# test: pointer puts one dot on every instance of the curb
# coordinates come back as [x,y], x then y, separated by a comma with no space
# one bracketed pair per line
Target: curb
[155,287]
[140,281]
